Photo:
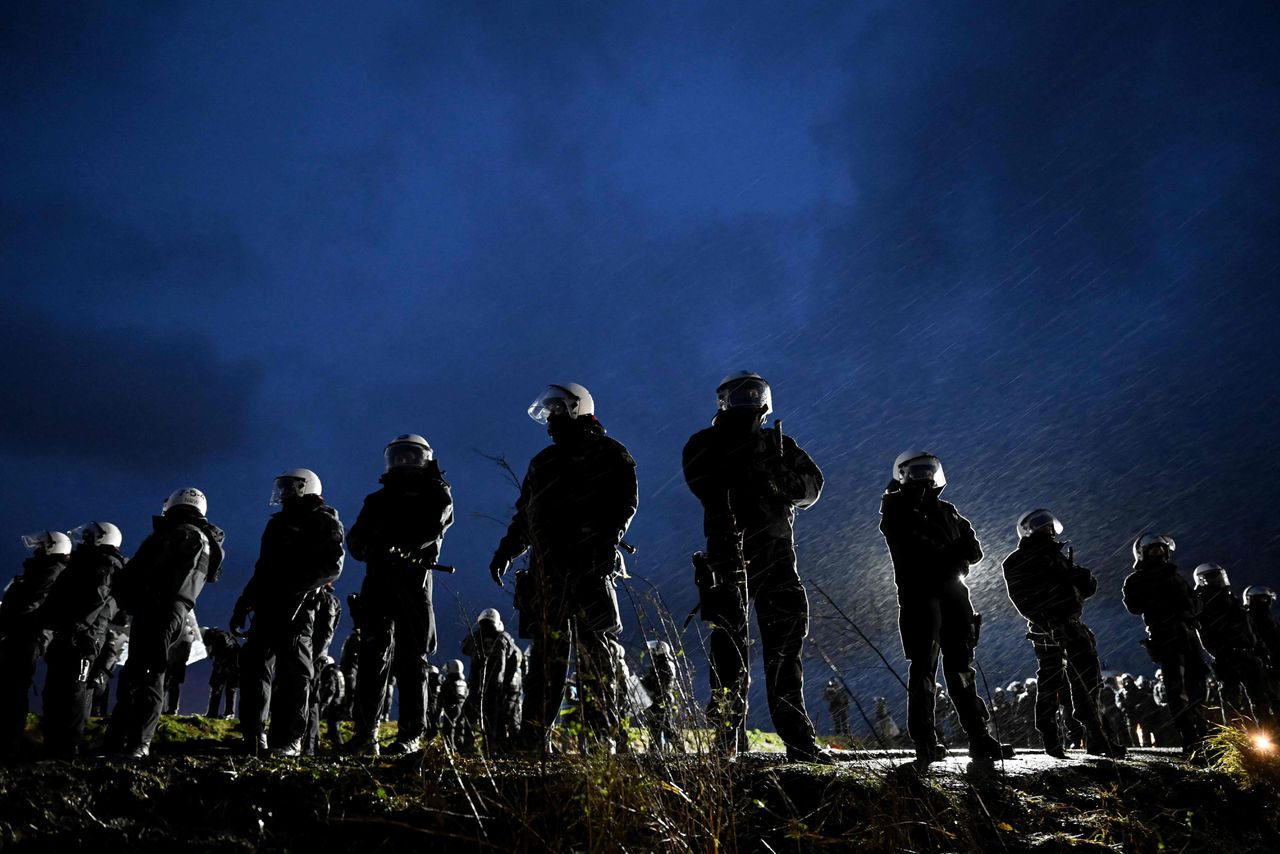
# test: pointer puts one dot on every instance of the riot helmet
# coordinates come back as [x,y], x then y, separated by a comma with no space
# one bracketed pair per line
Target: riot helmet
[1149,542]
[1210,575]
[408,451]
[453,667]
[1039,521]
[568,399]
[659,648]
[491,616]
[744,390]
[189,497]
[919,467]
[294,483]
[47,543]
[98,534]
[1259,593]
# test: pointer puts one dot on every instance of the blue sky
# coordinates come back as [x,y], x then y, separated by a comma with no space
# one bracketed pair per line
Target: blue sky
[1039,239]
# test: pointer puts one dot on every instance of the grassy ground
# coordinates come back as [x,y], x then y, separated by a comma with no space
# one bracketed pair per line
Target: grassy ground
[196,793]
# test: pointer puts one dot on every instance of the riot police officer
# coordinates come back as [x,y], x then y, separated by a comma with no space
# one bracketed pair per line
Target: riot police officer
[932,547]
[838,706]
[660,682]
[576,501]
[751,482]
[1258,601]
[301,552]
[159,588]
[495,680]
[1227,636]
[1049,590]
[22,637]
[398,536]
[1169,607]
[224,677]
[78,609]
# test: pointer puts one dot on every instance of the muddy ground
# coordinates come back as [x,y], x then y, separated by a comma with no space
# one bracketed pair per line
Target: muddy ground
[196,794]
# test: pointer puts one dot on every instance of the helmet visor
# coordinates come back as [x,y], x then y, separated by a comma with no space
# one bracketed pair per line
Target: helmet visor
[747,393]
[923,470]
[554,401]
[35,541]
[1039,521]
[406,455]
[286,487]
[1213,576]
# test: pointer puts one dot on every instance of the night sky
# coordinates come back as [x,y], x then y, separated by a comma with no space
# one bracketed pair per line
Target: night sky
[1037,239]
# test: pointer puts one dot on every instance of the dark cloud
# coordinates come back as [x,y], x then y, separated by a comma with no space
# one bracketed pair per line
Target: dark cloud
[127,397]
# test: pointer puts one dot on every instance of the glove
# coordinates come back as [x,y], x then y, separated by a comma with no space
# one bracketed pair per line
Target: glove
[497,568]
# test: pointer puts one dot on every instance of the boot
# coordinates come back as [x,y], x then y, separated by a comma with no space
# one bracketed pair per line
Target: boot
[929,753]
[404,748]
[362,744]
[293,748]
[984,746]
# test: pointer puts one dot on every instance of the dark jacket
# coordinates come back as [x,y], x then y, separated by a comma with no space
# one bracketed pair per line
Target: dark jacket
[410,513]
[930,542]
[1164,599]
[1267,630]
[495,663]
[26,594]
[82,594]
[301,551]
[328,611]
[183,551]
[660,679]
[575,504]
[1224,622]
[1043,584]
[747,485]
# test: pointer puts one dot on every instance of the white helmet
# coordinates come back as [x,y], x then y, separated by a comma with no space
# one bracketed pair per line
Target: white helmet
[744,390]
[47,543]
[659,648]
[1149,541]
[1211,575]
[491,615]
[98,534]
[189,497]
[407,451]
[568,399]
[919,466]
[1039,521]
[326,660]
[294,482]
[453,667]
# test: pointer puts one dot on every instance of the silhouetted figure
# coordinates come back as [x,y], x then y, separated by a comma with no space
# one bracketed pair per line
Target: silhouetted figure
[78,609]
[932,547]
[1168,606]
[176,671]
[23,639]
[301,553]
[496,681]
[660,681]
[1228,637]
[398,536]
[576,501]
[1049,590]
[838,707]
[751,482]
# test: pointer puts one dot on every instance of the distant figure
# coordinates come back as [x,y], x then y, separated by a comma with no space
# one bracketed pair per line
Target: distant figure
[330,688]
[176,669]
[576,501]
[1113,719]
[326,611]
[78,610]
[1228,637]
[932,547]
[1259,602]
[1049,590]
[888,732]
[224,678]
[495,680]
[661,683]
[301,553]
[838,707]
[453,701]
[22,637]
[1169,607]
[751,482]
[398,536]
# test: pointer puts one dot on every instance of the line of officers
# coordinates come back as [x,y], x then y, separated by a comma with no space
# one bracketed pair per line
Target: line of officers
[576,501]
